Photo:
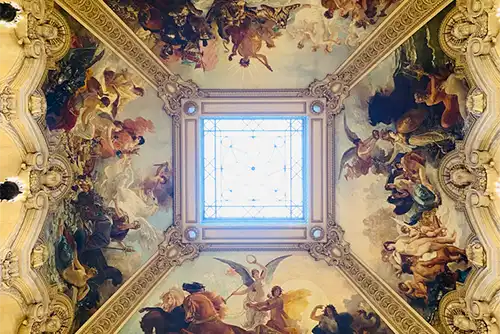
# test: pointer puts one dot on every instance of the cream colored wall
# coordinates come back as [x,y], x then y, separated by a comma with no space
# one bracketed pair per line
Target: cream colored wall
[10,162]
[11,56]
[11,314]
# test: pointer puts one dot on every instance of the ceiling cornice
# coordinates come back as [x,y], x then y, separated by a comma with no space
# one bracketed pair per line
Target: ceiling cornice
[101,21]
[403,22]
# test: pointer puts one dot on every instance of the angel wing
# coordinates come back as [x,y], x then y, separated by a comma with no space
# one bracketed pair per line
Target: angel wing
[346,157]
[295,303]
[272,266]
[350,134]
[240,269]
[147,235]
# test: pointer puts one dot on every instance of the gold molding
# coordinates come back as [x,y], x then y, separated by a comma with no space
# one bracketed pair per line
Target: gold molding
[172,253]
[397,314]
[407,18]
[105,25]
[403,22]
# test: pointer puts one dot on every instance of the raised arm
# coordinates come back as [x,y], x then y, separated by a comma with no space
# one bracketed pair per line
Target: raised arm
[431,100]
[264,306]
[314,312]
[242,292]
[264,270]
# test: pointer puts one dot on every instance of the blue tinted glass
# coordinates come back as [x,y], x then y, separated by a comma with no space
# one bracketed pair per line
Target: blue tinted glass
[253,168]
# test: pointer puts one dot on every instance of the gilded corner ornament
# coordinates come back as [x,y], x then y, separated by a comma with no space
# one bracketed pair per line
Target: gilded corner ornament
[174,91]
[56,318]
[173,251]
[333,250]
[333,90]
[455,317]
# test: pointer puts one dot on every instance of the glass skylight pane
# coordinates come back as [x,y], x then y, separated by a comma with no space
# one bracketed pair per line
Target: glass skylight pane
[253,168]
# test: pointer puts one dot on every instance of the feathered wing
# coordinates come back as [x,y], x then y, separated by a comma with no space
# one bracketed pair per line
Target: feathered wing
[350,134]
[295,303]
[346,157]
[271,268]
[240,269]
[148,236]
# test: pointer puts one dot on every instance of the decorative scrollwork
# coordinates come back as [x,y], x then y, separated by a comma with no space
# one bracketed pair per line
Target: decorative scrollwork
[172,252]
[455,318]
[457,177]
[9,267]
[333,90]
[7,104]
[333,250]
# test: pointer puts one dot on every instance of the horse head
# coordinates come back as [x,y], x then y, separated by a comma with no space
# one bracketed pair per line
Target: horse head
[190,309]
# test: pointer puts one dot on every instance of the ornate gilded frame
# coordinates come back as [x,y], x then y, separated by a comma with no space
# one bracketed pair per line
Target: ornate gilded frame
[319,164]
[478,152]
[402,23]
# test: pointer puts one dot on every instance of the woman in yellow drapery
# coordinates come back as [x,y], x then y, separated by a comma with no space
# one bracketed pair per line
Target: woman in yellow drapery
[286,310]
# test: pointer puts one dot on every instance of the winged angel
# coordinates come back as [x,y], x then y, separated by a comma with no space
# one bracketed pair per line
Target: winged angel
[254,287]
[373,153]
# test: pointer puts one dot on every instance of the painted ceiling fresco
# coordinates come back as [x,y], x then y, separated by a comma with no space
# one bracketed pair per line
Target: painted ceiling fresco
[399,123]
[252,44]
[265,292]
[397,126]
[118,140]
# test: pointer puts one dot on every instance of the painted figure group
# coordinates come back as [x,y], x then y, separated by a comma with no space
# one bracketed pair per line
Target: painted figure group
[79,255]
[186,33]
[361,12]
[193,310]
[203,312]
[425,112]
[101,217]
